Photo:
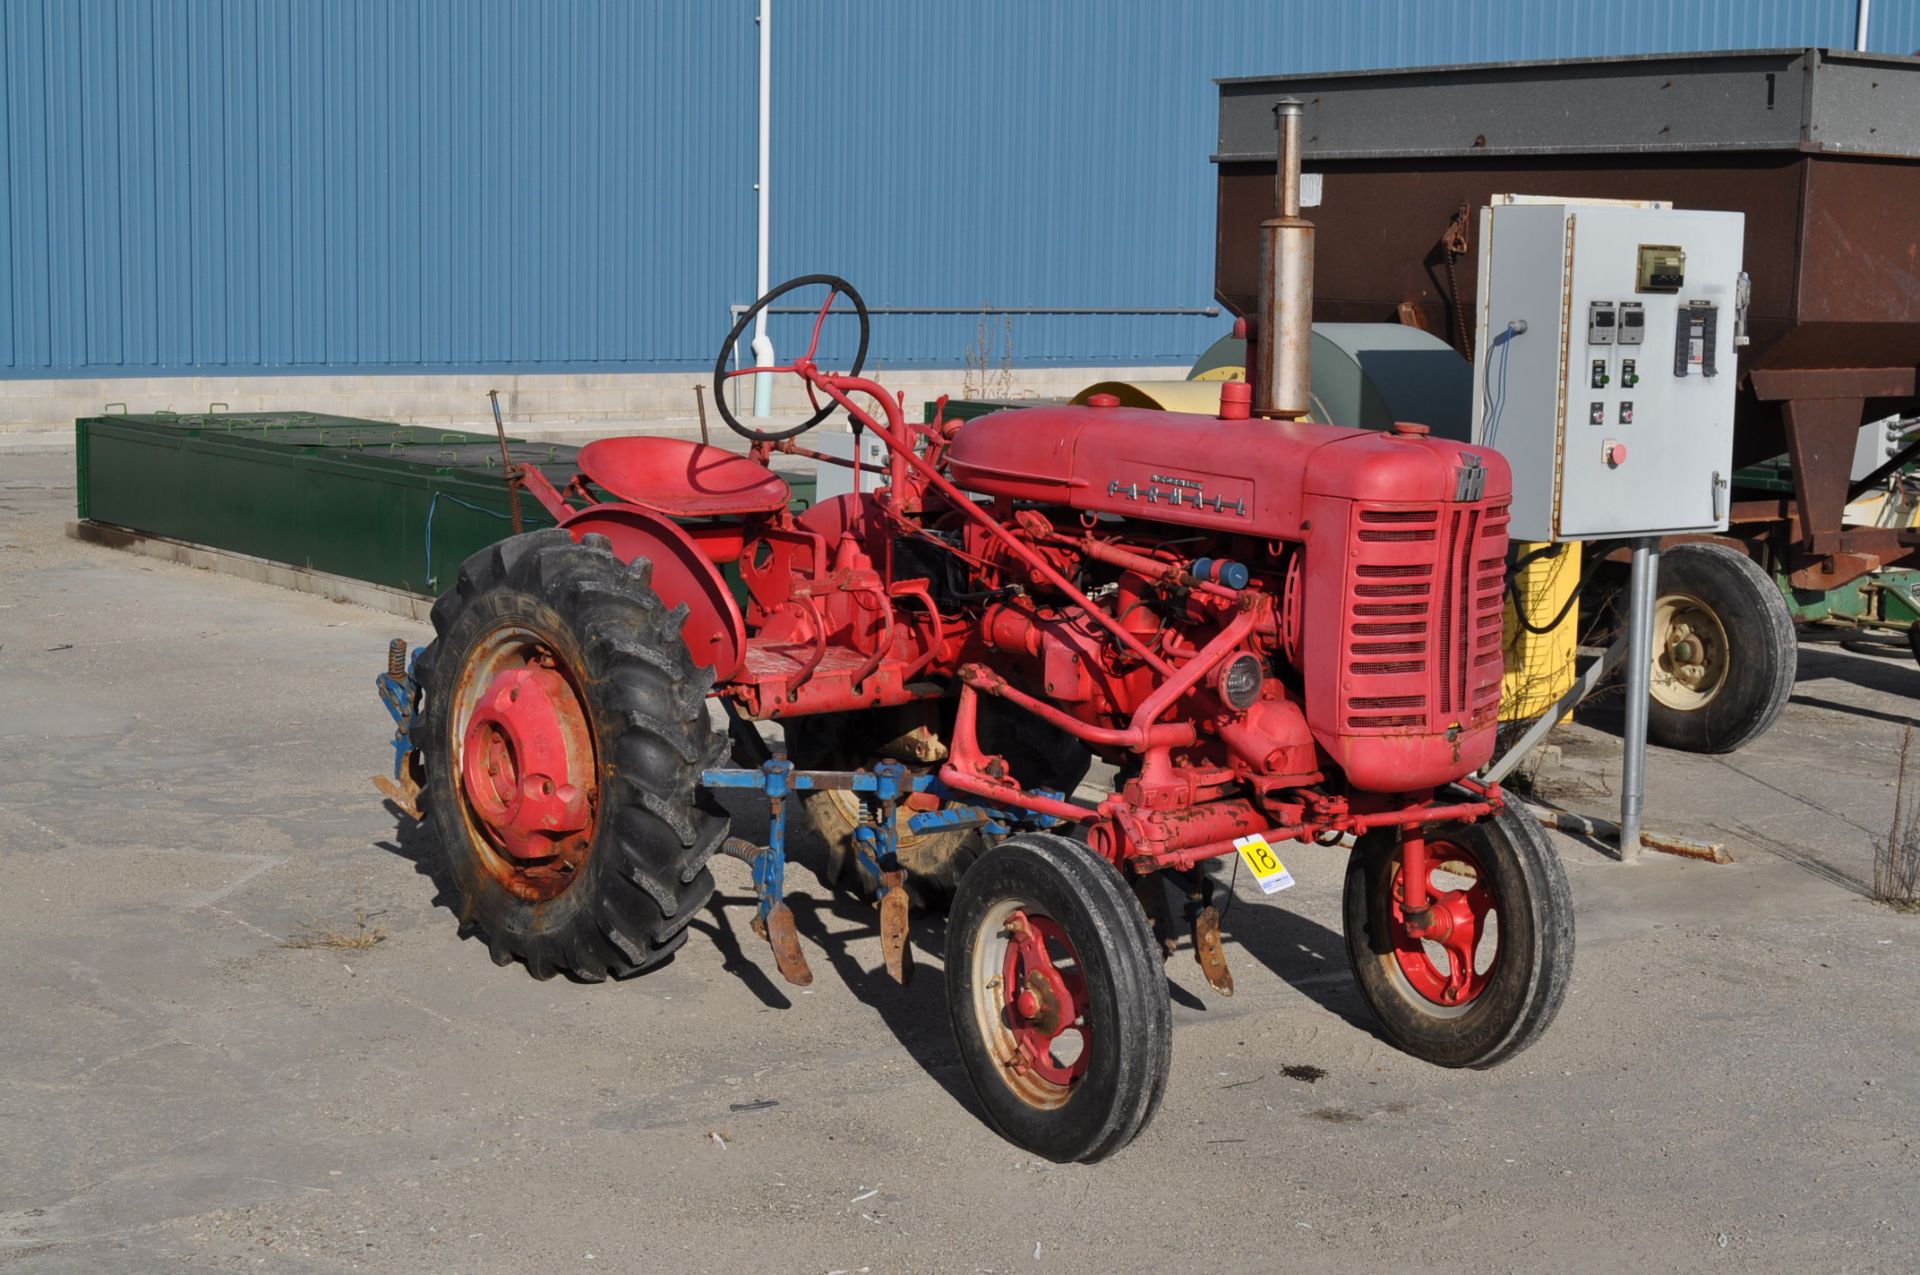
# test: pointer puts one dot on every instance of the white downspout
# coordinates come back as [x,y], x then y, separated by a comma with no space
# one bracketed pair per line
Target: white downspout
[1860,26]
[762,343]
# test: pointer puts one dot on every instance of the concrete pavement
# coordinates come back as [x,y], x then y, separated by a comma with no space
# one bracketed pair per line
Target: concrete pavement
[183,789]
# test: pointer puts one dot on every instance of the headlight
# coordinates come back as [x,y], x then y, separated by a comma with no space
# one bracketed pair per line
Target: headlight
[1239,682]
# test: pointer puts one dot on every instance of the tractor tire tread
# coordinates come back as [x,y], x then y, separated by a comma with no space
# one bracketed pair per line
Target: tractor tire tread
[1140,1043]
[646,876]
[1042,755]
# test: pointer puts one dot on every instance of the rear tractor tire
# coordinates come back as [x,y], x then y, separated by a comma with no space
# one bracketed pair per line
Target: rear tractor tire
[1724,650]
[564,734]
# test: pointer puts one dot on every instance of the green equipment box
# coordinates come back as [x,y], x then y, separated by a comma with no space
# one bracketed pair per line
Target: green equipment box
[396,505]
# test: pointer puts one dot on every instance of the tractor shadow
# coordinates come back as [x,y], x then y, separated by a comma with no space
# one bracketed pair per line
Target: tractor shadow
[718,924]
[844,930]
[415,841]
[916,1014]
[1300,952]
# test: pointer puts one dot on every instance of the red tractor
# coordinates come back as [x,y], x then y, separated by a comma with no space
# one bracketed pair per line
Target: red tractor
[1273,631]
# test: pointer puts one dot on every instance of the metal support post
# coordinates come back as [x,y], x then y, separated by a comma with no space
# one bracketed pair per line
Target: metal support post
[763,193]
[1635,637]
[1641,592]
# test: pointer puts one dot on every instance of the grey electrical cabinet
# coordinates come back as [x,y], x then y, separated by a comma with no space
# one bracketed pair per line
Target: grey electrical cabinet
[1605,364]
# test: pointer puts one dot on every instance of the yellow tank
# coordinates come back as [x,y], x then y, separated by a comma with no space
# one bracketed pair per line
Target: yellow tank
[1201,398]
[1539,666]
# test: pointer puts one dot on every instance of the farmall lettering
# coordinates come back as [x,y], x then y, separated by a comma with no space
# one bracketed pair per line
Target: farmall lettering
[1177,493]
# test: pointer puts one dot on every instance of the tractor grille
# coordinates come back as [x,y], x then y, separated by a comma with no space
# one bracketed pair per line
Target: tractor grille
[1422,644]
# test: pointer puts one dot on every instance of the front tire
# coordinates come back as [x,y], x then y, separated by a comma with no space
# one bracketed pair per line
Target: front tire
[605,886]
[1058,1003]
[1724,651]
[1502,873]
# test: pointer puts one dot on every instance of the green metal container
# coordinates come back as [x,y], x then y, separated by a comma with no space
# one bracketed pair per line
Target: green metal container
[398,505]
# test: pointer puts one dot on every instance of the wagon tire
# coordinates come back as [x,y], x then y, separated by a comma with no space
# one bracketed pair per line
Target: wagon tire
[1528,959]
[1724,650]
[575,610]
[1080,1099]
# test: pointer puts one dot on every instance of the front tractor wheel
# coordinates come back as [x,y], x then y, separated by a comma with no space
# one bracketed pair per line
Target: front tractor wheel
[564,734]
[1057,999]
[1492,987]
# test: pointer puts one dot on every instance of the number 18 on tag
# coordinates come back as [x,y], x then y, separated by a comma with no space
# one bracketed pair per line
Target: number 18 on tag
[1263,863]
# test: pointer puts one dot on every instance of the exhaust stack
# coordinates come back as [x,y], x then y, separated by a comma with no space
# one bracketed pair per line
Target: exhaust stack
[1283,370]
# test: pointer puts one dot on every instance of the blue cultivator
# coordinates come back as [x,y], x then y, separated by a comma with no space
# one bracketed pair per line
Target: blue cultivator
[876,843]
[399,689]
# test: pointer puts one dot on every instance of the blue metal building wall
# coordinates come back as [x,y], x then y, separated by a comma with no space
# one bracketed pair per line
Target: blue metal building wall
[381,184]
[270,185]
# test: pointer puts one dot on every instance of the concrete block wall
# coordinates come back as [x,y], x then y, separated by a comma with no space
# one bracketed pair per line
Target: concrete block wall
[570,402]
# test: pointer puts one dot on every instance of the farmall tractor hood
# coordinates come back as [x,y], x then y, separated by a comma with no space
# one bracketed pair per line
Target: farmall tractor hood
[1251,477]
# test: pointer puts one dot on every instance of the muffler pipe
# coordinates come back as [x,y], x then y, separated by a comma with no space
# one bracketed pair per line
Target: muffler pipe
[1283,368]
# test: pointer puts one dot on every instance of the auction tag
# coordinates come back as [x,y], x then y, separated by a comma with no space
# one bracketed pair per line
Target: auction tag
[1263,863]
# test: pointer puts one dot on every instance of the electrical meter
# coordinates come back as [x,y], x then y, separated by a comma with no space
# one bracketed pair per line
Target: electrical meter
[1605,368]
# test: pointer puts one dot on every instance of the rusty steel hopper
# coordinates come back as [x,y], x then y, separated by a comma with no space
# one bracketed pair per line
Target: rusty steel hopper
[1820,149]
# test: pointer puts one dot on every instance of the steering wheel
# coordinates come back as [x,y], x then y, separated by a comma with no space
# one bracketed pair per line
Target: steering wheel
[721,375]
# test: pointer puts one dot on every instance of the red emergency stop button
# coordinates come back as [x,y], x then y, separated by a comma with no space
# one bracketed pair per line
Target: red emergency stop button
[1615,454]
[1102,400]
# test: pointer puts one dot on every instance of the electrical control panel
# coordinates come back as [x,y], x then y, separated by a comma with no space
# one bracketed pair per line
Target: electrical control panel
[1604,364]
[837,480]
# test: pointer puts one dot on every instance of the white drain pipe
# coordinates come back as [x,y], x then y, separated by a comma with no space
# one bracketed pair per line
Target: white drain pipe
[762,343]
[1860,26]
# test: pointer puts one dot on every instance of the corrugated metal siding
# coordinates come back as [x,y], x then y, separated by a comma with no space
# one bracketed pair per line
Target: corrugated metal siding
[1069,141]
[425,184]
[1895,27]
[414,184]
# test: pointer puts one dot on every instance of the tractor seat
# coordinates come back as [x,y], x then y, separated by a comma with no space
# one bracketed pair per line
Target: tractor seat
[681,478]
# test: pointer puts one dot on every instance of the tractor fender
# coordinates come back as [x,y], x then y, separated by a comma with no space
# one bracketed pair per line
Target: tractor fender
[715,633]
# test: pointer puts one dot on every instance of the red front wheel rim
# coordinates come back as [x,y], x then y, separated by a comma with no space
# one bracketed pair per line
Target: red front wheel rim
[1046,1000]
[1031,1003]
[1455,968]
